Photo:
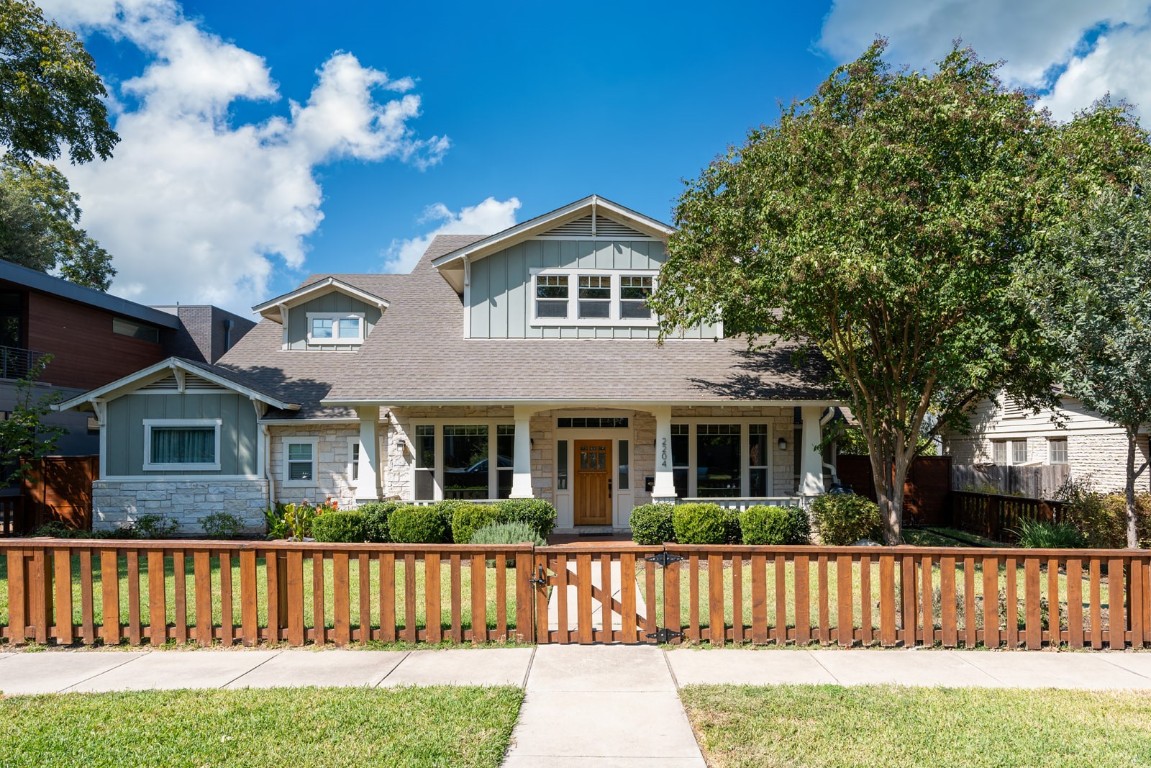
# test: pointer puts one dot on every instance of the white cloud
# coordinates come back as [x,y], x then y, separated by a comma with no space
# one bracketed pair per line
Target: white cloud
[1045,44]
[484,218]
[196,208]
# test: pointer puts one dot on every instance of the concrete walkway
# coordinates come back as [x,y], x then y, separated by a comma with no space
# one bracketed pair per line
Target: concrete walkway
[584,705]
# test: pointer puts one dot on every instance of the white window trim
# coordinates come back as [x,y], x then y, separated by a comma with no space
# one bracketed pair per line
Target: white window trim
[353,446]
[1050,446]
[335,317]
[438,437]
[613,320]
[149,466]
[744,453]
[284,475]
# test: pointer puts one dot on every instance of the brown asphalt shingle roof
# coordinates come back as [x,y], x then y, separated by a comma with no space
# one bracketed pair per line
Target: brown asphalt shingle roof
[417,353]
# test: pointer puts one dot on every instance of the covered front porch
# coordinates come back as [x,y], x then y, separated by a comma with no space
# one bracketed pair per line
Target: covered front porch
[595,462]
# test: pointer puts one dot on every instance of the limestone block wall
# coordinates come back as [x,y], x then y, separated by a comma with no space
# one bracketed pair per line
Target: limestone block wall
[333,455]
[117,504]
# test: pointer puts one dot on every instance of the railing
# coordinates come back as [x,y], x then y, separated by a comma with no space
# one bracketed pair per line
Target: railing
[998,517]
[16,362]
[743,502]
[67,592]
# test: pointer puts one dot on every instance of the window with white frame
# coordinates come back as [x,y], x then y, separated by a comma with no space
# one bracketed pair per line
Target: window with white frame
[353,461]
[1009,452]
[600,297]
[300,461]
[182,444]
[335,328]
[721,459]
[1018,451]
[1057,450]
[463,461]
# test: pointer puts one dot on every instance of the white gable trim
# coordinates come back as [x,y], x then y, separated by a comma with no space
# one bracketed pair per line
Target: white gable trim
[571,212]
[171,366]
[275,309]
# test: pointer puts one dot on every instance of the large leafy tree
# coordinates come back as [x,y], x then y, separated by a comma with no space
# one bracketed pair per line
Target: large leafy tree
[883,222]
[50,93]
[40,225]
[1094,299]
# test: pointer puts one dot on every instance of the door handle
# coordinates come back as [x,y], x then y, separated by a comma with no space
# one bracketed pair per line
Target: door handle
[609,486]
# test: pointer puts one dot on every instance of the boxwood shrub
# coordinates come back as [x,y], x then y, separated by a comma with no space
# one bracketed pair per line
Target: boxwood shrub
[843,519]
[774,525]
[507,533]
[376,515]
[468,518]
[651,524]
[340,526]
[700,523]
[412,524]
[537,513]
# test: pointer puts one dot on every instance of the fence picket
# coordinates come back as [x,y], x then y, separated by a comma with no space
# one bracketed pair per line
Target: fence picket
[1117,613]
[715,622]
[433,611]
[844,595]
[110,592]
[202,570]
[134,629]
[62,562]
[948,630]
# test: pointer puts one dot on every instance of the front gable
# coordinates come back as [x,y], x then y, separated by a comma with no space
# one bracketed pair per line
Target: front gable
[328,314]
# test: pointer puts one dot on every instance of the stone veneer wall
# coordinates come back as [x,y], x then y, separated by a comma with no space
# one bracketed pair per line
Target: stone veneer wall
[117,504]
[332,456]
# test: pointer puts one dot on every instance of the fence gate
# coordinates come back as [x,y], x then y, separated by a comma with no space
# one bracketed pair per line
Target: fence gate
[607,595]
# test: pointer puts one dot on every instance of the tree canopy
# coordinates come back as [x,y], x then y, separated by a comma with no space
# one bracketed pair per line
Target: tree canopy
[1094,299]
[50,93]
[40,225]
[884,222]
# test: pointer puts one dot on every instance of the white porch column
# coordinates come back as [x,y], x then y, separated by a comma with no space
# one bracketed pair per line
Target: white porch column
[522,460]
[664,488]
[368,482]
[810,457]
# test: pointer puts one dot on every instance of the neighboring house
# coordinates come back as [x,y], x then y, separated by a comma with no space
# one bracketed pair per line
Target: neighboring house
[1007,435]
[525,363]
[93,338]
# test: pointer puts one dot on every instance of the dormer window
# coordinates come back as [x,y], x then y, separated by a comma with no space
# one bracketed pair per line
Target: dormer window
[601,298]
[332,328]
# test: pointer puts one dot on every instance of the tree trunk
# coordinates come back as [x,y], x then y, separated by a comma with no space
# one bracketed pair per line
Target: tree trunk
[889,495]
[1132,530]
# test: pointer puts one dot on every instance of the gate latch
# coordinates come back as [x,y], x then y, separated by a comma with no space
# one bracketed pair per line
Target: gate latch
[541,578]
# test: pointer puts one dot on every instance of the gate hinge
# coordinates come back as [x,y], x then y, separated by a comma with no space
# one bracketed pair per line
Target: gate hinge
[663,635]
[664,559]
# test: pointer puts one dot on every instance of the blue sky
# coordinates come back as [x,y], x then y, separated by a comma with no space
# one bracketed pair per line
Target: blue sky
[223,191]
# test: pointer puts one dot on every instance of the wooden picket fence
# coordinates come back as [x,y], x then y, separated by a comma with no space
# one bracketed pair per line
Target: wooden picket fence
[999,517]
[206,592]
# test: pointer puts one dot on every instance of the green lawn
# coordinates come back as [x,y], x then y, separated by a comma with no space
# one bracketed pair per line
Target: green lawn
[262,593]
[328,727]
[825,726]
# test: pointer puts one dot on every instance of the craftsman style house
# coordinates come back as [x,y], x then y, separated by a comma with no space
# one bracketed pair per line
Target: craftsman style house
[520,364]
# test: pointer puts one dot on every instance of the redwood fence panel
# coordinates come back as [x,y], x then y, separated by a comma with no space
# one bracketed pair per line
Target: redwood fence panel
[999,517]
[68,591]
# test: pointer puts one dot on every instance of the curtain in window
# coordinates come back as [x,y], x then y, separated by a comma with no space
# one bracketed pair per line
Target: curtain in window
[183,445]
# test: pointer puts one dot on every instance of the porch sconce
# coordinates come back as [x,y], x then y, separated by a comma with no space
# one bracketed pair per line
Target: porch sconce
[532,442]
[402,446]
[782,444]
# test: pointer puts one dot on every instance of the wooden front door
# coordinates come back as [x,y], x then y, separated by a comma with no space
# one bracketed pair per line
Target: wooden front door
[593,482]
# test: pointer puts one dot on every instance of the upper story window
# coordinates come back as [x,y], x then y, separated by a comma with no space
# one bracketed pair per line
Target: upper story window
[135,330]
[600,297]
[335,328]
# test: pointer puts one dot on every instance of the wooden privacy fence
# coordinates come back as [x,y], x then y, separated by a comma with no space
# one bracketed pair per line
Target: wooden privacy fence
[998,517]
[89,592]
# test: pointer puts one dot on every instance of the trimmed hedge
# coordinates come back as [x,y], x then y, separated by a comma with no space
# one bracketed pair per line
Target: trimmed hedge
[419,525]
[774,525]
[844,519]
[538,513]
[376,514]
[651,524]
[469,518]
[340,526]
[700,524]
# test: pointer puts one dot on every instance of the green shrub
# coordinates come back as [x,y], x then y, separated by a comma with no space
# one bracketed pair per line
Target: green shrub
[842,519]
[1038,534]
[507,533]
[292,521]
[1102,518]
[468,518]
[537,513]
[221,525]
[153,526]
[419,525]
[340,526]
[376,515]
[700,524]
[774,525]
[651,524]
[732,531]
